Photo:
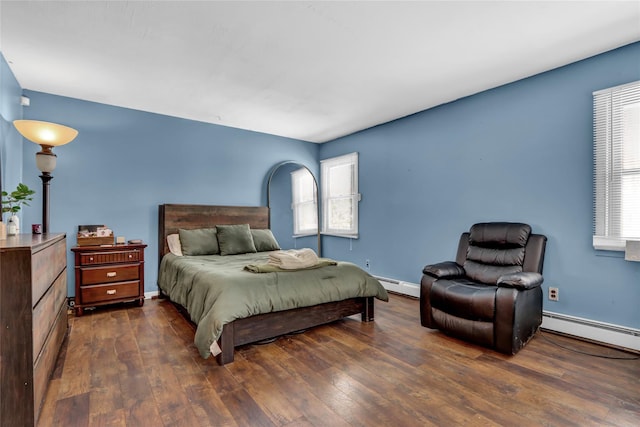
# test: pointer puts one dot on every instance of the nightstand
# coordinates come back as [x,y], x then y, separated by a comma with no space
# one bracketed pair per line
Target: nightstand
[108,274]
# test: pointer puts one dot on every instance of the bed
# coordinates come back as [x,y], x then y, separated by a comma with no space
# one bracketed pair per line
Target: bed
[228,333]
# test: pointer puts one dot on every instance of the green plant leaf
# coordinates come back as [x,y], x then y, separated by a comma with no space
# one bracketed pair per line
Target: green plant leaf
[14,200]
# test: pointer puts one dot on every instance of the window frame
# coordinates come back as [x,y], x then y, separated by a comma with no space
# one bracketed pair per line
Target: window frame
[609,170]
[326,166]
[296,203]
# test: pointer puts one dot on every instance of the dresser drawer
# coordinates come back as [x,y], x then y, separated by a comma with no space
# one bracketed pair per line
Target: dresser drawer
[108,292]
[109,274]
[46,265]
[45,363]
[45,312]
[95,258]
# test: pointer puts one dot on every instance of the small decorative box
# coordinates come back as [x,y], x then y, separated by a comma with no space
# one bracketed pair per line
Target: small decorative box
[94,235]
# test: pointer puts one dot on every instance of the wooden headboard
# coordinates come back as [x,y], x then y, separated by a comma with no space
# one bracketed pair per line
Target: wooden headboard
[173,217]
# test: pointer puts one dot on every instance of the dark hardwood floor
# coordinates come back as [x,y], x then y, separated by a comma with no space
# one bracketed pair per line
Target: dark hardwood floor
[132,366]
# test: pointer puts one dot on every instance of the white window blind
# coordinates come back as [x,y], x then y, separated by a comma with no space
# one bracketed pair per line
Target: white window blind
[304,196]
[616,129]
[340,195]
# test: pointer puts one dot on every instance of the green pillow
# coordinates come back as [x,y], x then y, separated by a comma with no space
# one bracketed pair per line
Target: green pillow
[264,240]
[200,241]
[235,239]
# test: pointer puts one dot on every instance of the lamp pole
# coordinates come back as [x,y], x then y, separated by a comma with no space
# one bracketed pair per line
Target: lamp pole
[46,177]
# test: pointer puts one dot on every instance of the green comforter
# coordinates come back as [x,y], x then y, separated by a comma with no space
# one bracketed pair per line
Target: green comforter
[216,289]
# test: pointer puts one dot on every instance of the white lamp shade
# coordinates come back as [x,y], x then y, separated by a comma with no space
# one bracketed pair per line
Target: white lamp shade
[45,133]
[46,162]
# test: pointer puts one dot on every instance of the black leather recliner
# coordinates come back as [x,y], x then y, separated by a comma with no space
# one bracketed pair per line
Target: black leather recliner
[491,294]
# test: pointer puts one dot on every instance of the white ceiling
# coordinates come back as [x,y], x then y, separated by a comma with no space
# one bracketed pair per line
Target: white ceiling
[313,71]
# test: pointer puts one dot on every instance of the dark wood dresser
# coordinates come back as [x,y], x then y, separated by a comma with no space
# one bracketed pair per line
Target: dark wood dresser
[108,274]
[33,312]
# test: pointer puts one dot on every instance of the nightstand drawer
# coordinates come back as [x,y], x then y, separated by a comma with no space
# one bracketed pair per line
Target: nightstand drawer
[93,258]
[113,291]
[116,273]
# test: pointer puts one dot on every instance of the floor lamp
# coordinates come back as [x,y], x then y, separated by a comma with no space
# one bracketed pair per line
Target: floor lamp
[47,135]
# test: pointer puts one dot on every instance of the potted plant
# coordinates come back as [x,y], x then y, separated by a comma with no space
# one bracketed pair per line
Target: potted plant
[12,202]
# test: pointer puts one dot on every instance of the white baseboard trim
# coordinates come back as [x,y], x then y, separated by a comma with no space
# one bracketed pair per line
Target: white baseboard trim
[406,288]
[149,295]
[607,333]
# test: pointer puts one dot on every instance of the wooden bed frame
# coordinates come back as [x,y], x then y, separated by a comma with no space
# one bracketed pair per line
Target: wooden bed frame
[260,327]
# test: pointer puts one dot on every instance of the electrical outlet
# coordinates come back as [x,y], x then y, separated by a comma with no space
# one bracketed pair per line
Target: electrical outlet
[367,264]
[554,294]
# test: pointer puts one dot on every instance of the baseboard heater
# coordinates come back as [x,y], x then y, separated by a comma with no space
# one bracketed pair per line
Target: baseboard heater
[406,288]
[606,333]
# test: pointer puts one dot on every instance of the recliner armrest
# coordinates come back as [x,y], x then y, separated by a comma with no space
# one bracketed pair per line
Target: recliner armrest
[443,270]
[522,281]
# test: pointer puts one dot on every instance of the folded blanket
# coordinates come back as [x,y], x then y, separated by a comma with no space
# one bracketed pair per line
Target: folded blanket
[293,259]
[270,268]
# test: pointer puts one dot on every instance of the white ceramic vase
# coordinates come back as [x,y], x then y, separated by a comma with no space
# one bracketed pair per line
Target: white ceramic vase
[13,226]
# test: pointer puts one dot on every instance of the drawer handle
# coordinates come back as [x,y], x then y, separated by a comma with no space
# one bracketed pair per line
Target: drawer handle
[130,256]
[90,258]
[111,292]
[112,274]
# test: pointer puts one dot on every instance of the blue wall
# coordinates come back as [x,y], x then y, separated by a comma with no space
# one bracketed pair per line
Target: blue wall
[10,139]
[124,163]
[520,152]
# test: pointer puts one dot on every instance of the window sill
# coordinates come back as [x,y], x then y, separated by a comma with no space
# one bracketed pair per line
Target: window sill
[609,244]
[348,236]
[315,233]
